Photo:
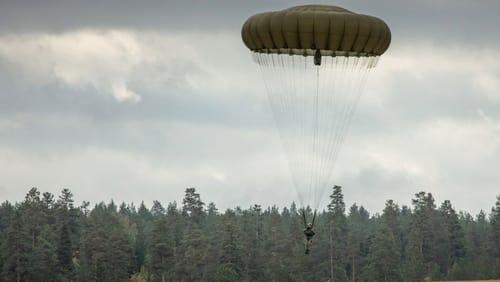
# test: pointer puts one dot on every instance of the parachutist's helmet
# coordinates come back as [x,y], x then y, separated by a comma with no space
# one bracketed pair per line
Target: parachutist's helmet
[309,225]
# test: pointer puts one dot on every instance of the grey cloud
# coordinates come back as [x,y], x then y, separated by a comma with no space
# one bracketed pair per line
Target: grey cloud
[457,21]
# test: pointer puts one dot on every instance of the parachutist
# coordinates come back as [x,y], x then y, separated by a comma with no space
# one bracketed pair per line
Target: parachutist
[309,233]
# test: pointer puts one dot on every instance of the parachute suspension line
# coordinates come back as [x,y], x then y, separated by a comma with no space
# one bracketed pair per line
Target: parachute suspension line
[314,135]
[295,119]
[351,76]
[274,70]
[304,217]
[304,144]
[328,118]
[317,139]
[356,95]
[358,90]
[328,79]
[345,94]
[312,106]
[298,132]
[326,94]
[291,113]
[365,68]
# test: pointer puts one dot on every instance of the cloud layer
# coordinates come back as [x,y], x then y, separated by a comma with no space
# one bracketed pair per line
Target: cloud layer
[115,111]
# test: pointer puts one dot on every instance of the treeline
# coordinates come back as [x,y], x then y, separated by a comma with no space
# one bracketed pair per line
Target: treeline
[44,238]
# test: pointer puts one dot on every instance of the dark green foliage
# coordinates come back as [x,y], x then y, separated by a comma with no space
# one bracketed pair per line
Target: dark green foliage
[384,258]
[16,249]
[227,272]
[44,264]
[64,252]
[338,236]
[495,238]
[162,250]
[192,206]
[106,253]
[44,239]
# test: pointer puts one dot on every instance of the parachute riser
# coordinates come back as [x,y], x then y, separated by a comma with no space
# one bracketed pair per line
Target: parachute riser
[304,217]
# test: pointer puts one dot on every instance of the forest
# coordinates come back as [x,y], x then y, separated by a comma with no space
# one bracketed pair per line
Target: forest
[50,238]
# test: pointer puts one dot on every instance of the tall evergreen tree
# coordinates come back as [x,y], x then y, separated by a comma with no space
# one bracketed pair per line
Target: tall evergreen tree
[18,246]
[230,255]
[192,206]
[338,235]
[495,237]
[384,258]
[357,223]
[65,252]
[157,210]
[44,264]
[192,255]
[67,229]
[454,238]
[162,251]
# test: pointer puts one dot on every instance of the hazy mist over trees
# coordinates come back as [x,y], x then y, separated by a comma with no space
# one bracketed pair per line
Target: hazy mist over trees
[49,238]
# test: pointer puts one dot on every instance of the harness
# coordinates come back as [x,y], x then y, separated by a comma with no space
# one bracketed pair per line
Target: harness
[305,220]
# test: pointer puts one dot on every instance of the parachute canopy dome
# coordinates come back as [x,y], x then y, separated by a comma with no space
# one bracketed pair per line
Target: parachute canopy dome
[302,30]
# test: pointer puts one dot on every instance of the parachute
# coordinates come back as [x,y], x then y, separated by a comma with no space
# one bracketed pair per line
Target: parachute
[314,60]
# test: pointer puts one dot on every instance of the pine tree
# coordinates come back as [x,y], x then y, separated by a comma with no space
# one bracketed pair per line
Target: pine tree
[106,251]
[338,235]
[192,206]
[7,212]
[192,255]
[65,253]
[18,246]
[357,224]
[421,238]
[143,219]
[140,247]
[162,251]
[251,241]
[157,210]
[211,226]
[230,245]
[32,211]
[44,263]
[455,238]
[495,238]
[384,258]
[67,230]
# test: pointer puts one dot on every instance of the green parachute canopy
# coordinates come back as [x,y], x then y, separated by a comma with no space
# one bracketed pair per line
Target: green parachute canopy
[303,29]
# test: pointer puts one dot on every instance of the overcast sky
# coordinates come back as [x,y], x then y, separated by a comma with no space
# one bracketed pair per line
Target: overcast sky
[137,100]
